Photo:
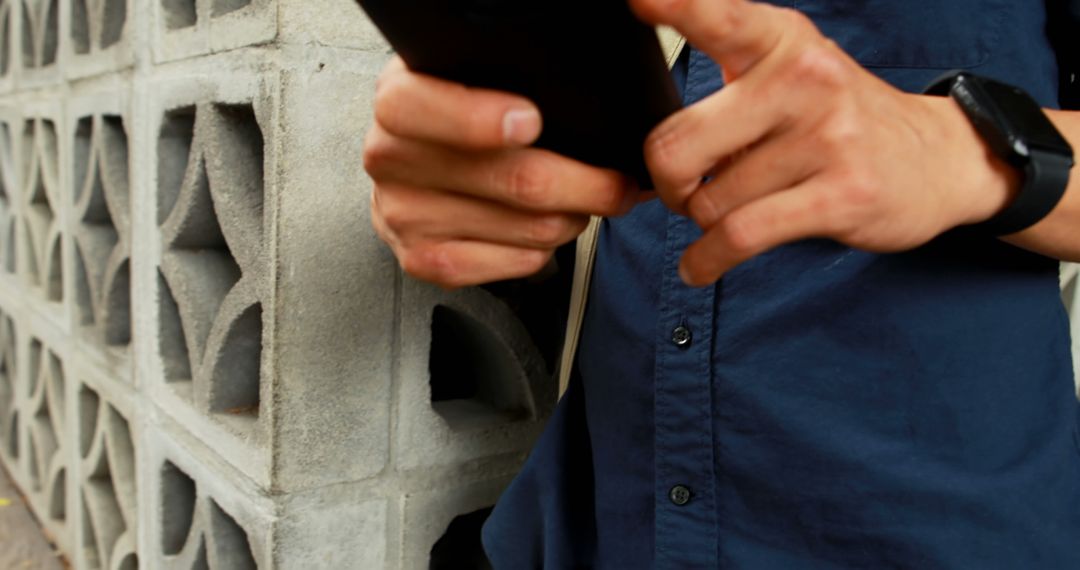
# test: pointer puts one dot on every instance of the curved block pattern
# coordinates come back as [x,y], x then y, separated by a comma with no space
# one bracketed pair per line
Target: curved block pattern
[41,463]
[97,24]
[40,33]
[102,233]
[109,524]
[9,392]
[41,247]
[211,320]
[189,28]
[196,532]
[9,190]
[5,38]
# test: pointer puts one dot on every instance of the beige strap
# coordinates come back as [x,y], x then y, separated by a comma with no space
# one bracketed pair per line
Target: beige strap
[583,265]
[672,44]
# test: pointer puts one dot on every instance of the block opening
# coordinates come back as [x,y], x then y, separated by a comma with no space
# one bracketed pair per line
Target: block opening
[80,27]
[179,13]
[460,548]
[178,498]
[113,20]
[235,380]
[231,545]
[173,150]
[222,7]
[475,379]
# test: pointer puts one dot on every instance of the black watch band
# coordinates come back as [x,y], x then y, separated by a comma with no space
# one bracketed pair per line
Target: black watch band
[1017,130]
[1046,176]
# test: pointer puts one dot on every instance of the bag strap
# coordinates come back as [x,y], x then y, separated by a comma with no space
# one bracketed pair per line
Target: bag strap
[672,43]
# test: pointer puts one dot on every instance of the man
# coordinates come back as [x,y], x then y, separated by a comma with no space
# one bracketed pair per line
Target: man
[812,354]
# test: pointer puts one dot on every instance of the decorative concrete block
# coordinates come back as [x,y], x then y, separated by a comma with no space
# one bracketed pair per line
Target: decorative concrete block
[194,519]
[8,24]
[98,36]
[38,38]
[108,524]
[9,199]
[189,28]
[44,440]
[101,230]
[336,287]
[487,393]
[10,392]
[42,246]
[209,166]
[338,23]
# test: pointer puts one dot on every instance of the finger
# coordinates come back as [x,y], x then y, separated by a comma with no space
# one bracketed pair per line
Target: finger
[457,264]
[525,179]
[419,106]
[734,33]
[755,228]
[418,215]
[689,144]
[775,165]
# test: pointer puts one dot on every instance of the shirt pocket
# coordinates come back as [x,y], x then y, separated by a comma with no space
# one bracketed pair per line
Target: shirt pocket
[940,34]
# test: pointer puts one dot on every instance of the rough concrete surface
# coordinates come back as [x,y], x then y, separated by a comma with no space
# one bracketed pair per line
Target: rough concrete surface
[207,359]
[22,544]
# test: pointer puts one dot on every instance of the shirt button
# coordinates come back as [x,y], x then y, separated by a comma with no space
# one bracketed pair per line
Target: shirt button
[682,337]
[680,495]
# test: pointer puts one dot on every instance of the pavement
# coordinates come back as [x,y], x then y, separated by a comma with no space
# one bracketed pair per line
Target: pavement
[22,544]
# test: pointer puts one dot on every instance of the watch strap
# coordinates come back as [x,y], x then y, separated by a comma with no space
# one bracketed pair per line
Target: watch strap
[1046,176]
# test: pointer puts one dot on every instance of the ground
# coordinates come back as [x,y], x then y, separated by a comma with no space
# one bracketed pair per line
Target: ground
[22,544]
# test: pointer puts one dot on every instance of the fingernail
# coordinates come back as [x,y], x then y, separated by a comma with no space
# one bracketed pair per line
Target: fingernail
[521,126]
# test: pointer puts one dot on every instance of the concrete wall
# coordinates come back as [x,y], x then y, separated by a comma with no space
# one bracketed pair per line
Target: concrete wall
[206,358]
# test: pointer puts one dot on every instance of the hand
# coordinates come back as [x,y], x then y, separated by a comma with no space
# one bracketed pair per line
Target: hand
[805,143]
[458,196]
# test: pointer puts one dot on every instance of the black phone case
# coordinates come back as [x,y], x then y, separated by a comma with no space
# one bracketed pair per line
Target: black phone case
[597,74]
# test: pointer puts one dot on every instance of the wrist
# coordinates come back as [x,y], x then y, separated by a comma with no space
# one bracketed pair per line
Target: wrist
[978,183]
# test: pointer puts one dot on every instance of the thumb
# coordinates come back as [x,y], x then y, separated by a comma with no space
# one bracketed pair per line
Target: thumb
[736,34]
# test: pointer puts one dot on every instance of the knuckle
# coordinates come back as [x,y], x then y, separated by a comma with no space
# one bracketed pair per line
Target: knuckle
[532,261]
[549,231]
[394,217]
[861,190]
[840,134]
[702,208]
[378,153]
[821,67]
[662,150]
[427,262]
[527,183]
[727,20]
[610,195]
[737,233]
[388,101]
[798,20]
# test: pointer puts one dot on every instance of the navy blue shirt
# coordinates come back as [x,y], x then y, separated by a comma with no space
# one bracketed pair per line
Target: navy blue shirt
[820,407]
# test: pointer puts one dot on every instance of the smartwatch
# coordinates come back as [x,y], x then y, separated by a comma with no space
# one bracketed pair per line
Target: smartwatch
[1017,130]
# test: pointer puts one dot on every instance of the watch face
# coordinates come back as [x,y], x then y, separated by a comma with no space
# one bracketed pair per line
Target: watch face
[1020,118]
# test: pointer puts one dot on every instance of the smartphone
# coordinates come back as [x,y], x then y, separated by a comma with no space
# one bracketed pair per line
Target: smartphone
[596,72]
